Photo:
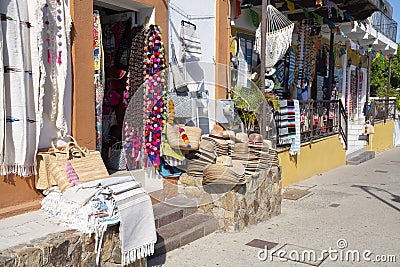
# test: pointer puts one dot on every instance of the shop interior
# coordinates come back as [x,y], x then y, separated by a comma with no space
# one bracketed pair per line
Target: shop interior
[119,43]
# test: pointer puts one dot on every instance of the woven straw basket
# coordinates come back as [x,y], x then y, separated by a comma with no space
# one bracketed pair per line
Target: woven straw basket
[175,140]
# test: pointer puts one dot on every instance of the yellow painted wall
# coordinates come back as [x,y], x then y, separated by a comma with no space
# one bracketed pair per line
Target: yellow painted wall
[383,137]
[324,155]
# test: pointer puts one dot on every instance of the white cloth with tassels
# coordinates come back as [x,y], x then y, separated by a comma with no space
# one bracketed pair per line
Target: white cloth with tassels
[20,85]
[135,214]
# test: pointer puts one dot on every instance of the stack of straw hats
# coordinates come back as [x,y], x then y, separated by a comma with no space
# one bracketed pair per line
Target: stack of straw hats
[204,158]
[225,171]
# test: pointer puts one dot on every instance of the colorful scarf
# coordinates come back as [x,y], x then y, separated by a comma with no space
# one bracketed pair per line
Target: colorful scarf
[98,76]
[21,83]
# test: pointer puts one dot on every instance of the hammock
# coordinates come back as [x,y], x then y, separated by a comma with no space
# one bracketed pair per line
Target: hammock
[278,36]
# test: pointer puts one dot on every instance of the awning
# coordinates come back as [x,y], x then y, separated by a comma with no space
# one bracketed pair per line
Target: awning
[358,9]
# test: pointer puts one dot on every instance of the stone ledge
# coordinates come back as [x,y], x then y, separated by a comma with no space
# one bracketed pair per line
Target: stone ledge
[68,248]
[236,207]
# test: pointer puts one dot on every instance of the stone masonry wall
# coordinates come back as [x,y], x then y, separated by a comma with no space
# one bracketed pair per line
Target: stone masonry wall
[236,207]
[69,248]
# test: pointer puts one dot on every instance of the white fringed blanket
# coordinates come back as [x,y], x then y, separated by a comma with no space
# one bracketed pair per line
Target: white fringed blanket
[116,199]
[20,86]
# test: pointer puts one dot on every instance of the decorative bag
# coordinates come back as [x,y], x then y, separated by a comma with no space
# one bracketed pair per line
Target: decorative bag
[180,85]
[176,141]
[182,104]
[117,158]
[87,164]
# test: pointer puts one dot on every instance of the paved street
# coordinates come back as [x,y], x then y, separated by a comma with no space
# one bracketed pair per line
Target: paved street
[353,207]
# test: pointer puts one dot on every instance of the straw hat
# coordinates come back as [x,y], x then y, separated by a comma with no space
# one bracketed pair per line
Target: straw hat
[225,171]
[241,152]
[228,135]
[242,137]
[256,138]
[221,145]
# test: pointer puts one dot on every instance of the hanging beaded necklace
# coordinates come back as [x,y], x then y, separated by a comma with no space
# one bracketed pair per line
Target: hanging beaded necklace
[47,27]
[59,30]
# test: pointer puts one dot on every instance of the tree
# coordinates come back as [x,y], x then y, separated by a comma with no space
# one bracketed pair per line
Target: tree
[379,77]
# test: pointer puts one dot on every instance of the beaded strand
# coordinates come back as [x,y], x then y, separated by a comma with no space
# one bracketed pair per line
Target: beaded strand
[47,22]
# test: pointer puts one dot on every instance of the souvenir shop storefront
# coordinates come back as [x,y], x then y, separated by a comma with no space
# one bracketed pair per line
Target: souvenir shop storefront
[106,30]
[318,84]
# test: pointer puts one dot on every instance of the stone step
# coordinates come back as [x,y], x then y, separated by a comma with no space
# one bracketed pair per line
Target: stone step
[182,232]
[360,158]
[173,209]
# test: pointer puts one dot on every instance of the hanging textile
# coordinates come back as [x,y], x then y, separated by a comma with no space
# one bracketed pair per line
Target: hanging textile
[136,69]
[133,124]
[296,141]
[98,76]
[190,42]
[21,85]
[155,100]
[286,122]
[292,66]
[279,32]
[58,22]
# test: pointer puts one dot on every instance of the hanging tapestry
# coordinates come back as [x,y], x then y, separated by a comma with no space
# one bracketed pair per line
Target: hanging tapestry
[98,76]
[57,21]
[136,69]
[133,124]
[286,122]
[155,100]
[296,141]
[21,85]
[190,42]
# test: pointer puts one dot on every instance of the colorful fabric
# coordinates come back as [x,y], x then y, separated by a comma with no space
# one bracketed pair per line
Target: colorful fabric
[286,122]
[155,100]
[21,85]
[98,76]
[295,146]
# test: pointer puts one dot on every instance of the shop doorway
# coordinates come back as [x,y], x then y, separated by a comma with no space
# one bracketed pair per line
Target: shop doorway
[119,41]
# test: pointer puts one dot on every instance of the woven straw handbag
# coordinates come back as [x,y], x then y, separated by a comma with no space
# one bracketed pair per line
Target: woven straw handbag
[58,171]
[175,140]
[87,164]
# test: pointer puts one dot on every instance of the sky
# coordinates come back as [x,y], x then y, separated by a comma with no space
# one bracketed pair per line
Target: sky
[396,15]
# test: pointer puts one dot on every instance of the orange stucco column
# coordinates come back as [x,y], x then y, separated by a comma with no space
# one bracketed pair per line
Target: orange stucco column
[83,105]
[223,29]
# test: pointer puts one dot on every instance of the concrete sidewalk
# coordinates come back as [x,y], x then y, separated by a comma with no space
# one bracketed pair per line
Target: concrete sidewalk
[349,208]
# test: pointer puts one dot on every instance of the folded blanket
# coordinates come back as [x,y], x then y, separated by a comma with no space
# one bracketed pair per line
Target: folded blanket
[91,207]
[137,229]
